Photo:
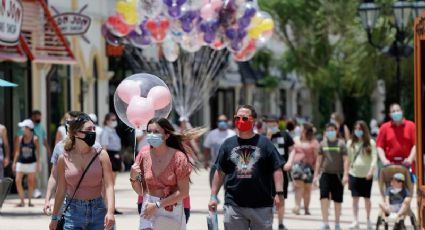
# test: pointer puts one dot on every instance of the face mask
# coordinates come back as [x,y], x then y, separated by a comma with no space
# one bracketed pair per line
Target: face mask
[114,124]
[244,126]
[222,125]
[397,116]
[358,133]
[37,121]
[155,140]
[89,139]
[331,135]
[333,121]
[395,190]
[275,130]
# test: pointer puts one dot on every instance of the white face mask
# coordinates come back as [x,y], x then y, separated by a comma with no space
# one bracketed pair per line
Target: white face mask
[114,124]
[395,190]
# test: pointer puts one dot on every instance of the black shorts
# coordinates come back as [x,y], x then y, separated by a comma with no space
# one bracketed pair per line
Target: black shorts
[331,184]
[360,187]
[285,184]
[115,158]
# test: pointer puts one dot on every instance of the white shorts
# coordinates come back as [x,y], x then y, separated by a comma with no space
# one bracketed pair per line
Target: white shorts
[177,215]
[26,168]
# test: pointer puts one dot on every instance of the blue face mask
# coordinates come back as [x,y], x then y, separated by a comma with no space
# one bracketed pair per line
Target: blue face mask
[222,125]
[275,130]
[154,139]
[358,133]
[397,116]
[331,135]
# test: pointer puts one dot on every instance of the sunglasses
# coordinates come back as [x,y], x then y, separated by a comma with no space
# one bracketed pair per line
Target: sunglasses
[243,118]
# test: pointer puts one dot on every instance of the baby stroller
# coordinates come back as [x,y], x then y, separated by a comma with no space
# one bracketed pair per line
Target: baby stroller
[385,177]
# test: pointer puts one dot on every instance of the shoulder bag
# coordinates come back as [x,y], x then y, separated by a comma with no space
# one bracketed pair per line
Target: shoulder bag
[61,222]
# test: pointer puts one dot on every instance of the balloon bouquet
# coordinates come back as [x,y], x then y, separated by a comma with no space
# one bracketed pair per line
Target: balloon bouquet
[141,97]
[238,25]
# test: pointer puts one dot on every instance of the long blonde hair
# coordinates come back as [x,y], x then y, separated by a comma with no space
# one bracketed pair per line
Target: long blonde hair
[75,126]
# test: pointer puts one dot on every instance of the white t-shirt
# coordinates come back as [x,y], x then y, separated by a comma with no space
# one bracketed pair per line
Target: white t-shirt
[98,133]
[214,140]
[62,131]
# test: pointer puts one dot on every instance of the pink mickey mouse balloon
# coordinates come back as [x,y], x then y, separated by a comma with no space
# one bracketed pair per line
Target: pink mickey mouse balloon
[141,97]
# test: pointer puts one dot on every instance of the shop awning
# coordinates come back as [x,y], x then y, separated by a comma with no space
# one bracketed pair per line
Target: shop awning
[41,39]
[4,83]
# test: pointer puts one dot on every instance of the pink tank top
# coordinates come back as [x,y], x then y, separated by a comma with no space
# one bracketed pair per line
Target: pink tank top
[91,185]
[305,152]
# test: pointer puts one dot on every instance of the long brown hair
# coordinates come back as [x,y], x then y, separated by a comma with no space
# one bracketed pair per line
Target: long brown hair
[365,138]
[308,131]
[176,140]
[75,125]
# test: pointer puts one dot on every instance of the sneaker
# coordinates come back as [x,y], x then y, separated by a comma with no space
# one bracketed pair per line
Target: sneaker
[116,212]
[282,227]
[369,225]
[354,225]
[338,227]
[325,227]
[36,194]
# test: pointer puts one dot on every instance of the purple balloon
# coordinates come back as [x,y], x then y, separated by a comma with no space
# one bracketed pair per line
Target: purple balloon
[209,37]
[244,22]
[231,33]
[180,2]
[241,34]
[236,45]
[250,12]
[140,39]
[169,3]
[175,11]
[227,14]
[187,20]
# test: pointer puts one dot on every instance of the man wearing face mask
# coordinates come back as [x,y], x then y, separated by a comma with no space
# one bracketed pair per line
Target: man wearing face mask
[213,142]
[253,170]
[43,175]
[332,166]
[283,142]
[110,141]
[396,139]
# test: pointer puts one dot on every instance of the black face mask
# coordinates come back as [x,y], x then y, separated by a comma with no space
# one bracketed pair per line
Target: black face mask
[37,121]
[89,139]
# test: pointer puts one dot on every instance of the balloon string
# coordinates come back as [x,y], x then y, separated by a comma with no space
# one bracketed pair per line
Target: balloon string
[135,143]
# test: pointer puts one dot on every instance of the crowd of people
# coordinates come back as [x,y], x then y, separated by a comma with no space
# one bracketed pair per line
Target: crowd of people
[255,162]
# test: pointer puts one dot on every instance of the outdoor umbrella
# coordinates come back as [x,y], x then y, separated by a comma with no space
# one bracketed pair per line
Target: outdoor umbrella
[4,83]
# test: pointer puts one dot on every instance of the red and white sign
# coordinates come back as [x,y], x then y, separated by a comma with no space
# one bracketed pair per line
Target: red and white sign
[11,16]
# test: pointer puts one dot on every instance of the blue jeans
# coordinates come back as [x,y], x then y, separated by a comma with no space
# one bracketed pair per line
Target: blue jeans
[85,215]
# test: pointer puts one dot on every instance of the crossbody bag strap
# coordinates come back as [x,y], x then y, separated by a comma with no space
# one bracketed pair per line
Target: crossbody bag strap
[81,178]
[355,156]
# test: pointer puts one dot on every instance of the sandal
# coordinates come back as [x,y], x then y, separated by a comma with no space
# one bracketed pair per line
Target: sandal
[30,205]
[307,212]
[296,211]
[20,205]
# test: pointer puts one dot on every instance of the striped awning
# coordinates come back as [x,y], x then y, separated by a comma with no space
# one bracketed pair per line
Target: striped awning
[41,39]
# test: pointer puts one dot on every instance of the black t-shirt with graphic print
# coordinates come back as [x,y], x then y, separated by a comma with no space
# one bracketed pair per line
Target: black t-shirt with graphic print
[249,165]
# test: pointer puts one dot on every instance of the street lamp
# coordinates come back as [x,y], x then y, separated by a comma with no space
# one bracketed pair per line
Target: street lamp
[403,12]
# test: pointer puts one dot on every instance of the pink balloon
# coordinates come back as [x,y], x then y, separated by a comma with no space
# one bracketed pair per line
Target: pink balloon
[207,12]
[140,111]
[128,89]
[216,3]
[160,97]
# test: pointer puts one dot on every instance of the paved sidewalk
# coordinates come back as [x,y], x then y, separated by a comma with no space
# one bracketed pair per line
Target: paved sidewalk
[12,218]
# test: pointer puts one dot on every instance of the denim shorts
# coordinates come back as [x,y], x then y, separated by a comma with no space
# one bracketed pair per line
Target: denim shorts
[85,214]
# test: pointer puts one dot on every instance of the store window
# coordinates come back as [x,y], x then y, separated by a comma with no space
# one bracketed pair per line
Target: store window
[58,98]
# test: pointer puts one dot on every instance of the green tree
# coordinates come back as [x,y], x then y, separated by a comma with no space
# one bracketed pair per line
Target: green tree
[328,48]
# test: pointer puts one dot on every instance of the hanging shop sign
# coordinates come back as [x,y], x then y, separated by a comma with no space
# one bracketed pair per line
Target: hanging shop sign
[11,15]
[73,23]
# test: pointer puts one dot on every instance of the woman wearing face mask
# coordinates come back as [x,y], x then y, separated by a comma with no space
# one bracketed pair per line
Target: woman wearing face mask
[26,160]
[86,209]
[302,161]
[164,168]
[362,158]
[110,141]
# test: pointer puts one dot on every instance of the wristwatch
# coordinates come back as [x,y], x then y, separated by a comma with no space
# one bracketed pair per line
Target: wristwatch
[280,193]
[138,178]
[56,217]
